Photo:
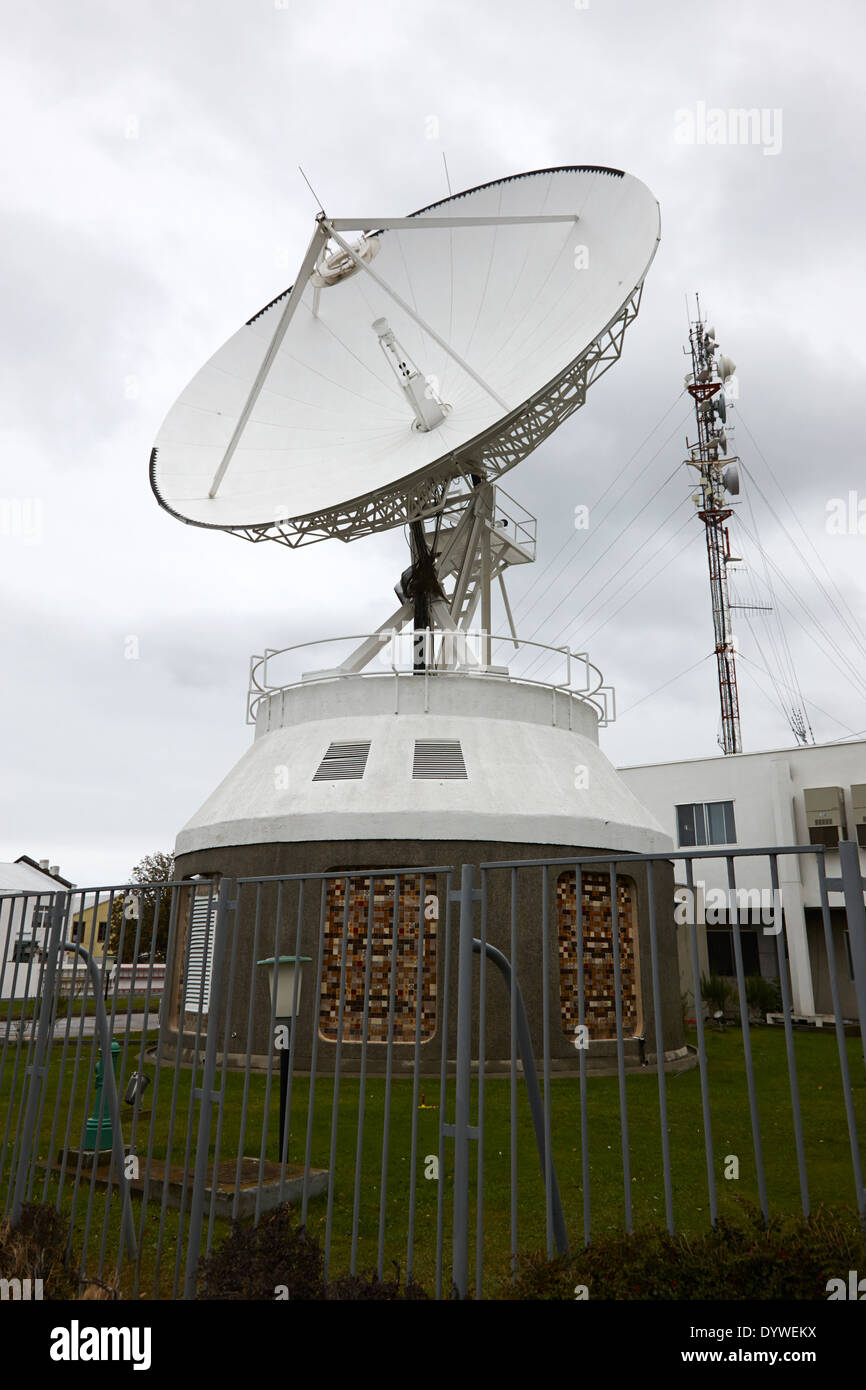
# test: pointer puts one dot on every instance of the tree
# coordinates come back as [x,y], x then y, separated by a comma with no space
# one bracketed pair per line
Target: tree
[154,905]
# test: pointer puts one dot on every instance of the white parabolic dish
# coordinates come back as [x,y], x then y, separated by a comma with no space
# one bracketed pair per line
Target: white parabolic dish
[536,309]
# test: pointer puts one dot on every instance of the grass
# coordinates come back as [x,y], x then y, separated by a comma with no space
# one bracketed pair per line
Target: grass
[828,1157]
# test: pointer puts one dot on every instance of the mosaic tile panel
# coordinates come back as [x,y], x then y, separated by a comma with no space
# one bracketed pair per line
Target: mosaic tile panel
[598,979]
[409,913]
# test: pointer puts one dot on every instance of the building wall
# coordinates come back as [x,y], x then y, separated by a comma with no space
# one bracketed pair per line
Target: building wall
[321,857]
[767,794]
[25,898]
[92,934]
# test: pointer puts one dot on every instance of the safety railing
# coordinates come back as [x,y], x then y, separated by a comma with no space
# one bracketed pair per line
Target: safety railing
[443,656]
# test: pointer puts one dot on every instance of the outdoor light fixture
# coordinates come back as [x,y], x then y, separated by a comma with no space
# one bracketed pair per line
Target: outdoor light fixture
[289,973]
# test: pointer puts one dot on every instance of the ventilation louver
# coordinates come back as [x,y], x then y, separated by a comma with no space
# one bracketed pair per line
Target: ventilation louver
[343,762]
[202,927]
[438,758]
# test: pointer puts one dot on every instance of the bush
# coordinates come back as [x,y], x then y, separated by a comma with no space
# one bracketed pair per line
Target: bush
[35,1248]
[764,996]
[715,991]
[790,1258]
[253,1261]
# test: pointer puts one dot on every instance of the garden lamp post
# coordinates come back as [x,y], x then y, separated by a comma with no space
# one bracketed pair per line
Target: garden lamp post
[98,1133]
[289,971]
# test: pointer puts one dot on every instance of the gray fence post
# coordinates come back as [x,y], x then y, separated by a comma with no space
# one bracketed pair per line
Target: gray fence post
[462,1130]
[206,1094]
[852,887]
[36,1071]
[112,1100]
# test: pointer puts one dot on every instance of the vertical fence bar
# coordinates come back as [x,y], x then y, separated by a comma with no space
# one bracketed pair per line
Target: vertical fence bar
[207,1090]
[164,1010]
[785,987]
[416,1086]
[443,974]
[852,888]
[42,1000]
[512,1004]
[389,1070]
[582,1057]
[39,1066]
[479,1148]
[702,1042]
[296,991]
[620,1045]
[223,1082]
[463,1084]
[660,1049]
[209,939]
[251,1005]
[362,1083]
[335,1106]
[314,1051]
[272,1047]
[734,914]
[847,1092]
[545,1030]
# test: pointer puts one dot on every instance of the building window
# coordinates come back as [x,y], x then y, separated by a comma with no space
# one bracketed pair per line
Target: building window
[706,823]
[598,977]
[42,918]
[381,922]
[24,951]
[720,952]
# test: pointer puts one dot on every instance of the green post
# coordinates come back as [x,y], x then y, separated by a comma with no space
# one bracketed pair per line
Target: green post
[100,1135]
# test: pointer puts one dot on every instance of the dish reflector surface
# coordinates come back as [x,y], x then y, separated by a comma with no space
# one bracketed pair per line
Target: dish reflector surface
[331,430]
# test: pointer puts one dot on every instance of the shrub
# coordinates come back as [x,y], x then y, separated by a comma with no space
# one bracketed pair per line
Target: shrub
[715,991]
[253,1261]
[35,1248]
[764,996]
[790,1258]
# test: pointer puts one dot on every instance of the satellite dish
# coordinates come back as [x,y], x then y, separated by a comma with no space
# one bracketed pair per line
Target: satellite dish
[731,479]
[438,347]
[719,405]
[725,367]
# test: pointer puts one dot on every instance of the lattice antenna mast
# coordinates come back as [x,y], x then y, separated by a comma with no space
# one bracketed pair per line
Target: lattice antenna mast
[718,478]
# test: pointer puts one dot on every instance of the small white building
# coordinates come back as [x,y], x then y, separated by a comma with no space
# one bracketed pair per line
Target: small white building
[26,889]
[788,796]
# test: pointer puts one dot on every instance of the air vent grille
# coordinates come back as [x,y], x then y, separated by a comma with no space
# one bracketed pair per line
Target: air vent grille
[343,762]
[438,758]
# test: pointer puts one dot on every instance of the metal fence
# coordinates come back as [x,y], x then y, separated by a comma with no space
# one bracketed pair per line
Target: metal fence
[340,1041]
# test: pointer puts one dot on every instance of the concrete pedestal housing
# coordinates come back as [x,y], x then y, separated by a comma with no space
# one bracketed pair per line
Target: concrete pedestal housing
[527,782]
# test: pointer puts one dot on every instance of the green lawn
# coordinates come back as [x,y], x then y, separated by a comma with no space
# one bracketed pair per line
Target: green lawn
[826,1140]
[15,1009]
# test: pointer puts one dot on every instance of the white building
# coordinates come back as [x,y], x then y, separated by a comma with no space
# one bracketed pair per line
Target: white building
[788,796]
[25,914]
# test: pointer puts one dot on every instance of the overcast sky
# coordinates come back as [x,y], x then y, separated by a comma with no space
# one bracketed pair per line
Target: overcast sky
[152,202]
